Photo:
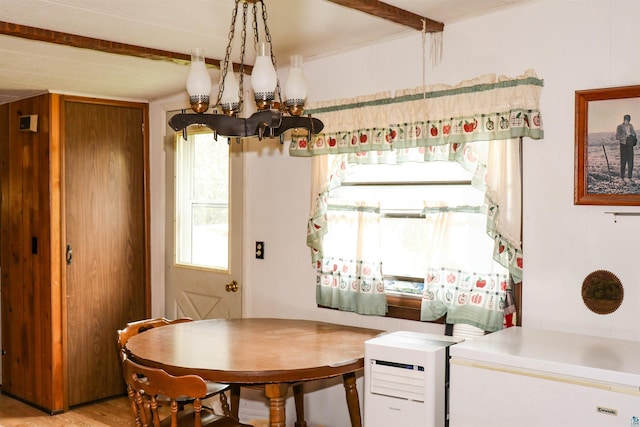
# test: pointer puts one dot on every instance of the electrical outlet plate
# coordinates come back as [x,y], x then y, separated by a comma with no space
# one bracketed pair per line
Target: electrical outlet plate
[259,250]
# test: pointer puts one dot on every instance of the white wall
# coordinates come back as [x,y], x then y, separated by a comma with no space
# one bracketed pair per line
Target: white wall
[572,45]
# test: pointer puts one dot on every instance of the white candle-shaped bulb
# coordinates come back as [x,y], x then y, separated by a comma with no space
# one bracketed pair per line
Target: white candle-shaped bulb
[295,88]
[263,77]
[230,90]
[198,82]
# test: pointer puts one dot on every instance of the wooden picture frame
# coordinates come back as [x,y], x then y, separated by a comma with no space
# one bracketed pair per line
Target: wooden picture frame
[598,154]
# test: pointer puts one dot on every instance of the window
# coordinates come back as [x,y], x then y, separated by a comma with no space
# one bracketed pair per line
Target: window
[480,124]
[202,201]
[411,199]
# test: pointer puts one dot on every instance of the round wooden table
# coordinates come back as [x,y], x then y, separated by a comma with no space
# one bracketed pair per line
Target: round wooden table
[275,353]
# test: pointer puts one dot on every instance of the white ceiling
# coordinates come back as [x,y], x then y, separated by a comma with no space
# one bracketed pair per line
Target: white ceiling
[312,28]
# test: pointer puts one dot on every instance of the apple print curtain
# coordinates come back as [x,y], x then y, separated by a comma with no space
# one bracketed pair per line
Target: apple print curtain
[478,123]
[350,272]
[462,281]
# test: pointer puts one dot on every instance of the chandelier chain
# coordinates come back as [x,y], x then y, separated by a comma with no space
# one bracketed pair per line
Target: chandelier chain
[254,25]
[227,54]
[267,35]
[242,51]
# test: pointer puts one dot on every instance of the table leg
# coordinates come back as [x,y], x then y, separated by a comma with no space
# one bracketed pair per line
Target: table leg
[298,396]
[276,394]
[353,403]
[235,401]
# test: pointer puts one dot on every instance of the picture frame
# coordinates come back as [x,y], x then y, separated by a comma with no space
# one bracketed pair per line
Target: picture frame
[600,157]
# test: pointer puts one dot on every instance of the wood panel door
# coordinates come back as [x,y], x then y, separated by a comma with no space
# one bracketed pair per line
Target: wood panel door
[104,199]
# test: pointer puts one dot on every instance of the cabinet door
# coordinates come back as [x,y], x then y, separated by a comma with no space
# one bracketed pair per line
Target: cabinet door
[104,199]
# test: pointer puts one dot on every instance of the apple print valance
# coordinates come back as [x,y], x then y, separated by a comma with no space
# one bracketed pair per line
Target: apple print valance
[482,109]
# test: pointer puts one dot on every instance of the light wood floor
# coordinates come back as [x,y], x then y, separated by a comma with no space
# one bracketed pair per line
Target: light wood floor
[112,412]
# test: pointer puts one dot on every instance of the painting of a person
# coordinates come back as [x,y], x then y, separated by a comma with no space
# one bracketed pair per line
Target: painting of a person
[624,130]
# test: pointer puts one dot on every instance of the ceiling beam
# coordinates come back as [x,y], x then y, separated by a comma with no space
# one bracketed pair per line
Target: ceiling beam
[82,42]
[392,13]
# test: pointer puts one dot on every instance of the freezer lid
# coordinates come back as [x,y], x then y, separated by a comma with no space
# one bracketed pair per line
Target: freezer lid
[596,358]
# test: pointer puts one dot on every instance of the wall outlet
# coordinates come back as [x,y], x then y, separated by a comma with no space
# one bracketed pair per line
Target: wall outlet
[259,250]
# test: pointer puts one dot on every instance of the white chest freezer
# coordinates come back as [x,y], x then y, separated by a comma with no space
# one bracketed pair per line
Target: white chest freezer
[534,378]
[405,379]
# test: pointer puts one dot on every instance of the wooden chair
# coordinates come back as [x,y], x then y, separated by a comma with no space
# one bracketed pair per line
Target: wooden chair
[213,388]
[144,384]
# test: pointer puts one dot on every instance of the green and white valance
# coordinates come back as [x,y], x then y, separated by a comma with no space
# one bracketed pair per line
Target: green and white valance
[486,108]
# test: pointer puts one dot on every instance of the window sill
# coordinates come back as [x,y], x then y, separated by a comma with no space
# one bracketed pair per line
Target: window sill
[405,307]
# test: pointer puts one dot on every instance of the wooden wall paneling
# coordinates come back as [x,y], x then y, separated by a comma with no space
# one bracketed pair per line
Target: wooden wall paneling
[36,247]
[36,176]
[27,148]
[25,263]
[39,249]
[20,285]
[58,295]
[4,253]
[11,296]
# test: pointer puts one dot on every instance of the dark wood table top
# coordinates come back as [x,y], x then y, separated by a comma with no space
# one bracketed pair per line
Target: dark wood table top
[253,351]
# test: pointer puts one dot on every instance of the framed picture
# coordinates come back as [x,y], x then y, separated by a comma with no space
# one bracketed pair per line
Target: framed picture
[607,152]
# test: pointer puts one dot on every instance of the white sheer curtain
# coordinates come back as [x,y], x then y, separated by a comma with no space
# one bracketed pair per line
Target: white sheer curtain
[504,195]
[464,281]
[350,273]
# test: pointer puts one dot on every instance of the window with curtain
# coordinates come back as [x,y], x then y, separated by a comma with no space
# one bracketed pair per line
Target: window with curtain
[419,194]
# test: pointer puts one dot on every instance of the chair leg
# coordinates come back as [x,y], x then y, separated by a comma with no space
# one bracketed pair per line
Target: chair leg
[225,404]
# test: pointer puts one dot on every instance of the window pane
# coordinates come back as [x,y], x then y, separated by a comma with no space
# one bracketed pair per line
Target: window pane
[404,247]
[202,195]
[393,198]
[407,172]
[210,234]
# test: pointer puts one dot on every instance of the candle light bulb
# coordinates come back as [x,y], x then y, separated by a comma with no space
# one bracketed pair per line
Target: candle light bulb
[263,77]
[198,82]
[295,88]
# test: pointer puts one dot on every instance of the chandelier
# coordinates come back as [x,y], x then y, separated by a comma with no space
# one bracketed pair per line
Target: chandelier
[273,117]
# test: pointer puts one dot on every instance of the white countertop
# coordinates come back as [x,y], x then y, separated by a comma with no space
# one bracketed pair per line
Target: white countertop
[595,358]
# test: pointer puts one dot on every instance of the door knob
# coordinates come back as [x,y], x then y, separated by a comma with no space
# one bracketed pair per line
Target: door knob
[232,287]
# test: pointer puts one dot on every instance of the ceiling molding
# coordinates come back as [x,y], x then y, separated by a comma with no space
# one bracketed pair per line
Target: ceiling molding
[394,14]
[82,42]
